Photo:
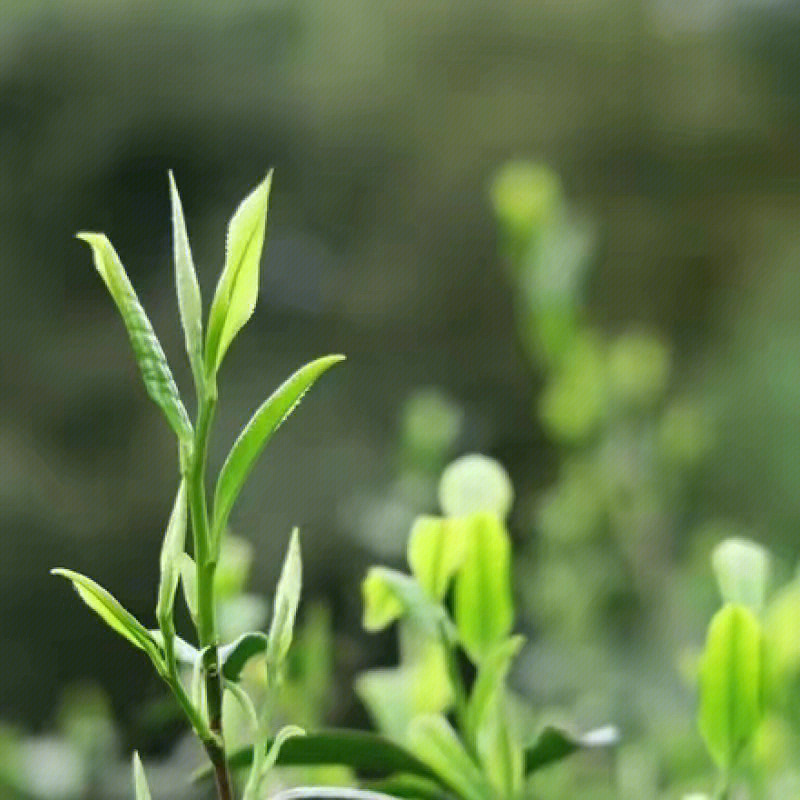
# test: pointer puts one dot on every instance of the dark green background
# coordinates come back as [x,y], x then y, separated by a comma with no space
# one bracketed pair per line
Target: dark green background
[674,123]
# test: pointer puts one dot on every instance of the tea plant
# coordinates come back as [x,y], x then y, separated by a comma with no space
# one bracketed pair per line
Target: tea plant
[215,665]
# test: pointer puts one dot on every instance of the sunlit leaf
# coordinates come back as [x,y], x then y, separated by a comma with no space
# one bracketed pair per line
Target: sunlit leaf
[190,302]
[188,570]
[258,432]
[139,780]
[237,289]
[284,608]
[483,606]
[742,569]
[731,683]
[152,362]
[109,610]
[433,740]
[475,483]
[171,550]
[436,549]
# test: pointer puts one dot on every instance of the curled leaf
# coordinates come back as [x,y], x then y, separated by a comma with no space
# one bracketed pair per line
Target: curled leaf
[171,550]
[287,598]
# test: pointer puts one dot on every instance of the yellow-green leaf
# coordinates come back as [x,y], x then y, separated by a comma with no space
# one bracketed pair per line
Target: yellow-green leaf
[436,549]
[382,606]
[483,605]
[237,290]
[190,303]
[731,683]
[258,432]
[742,569]
[152,362]
[110,610]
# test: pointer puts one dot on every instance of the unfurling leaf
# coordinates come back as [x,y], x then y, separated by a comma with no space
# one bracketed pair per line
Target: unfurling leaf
[152,362]
[258,432]
[434,742]
[742,569]
[110,611]
[139,779]
[731,683]
[171,550]
[190,303]
[274,748]
[235,655]
[483,606]
[237,290]
[389,594]
[284,609]
[436,549]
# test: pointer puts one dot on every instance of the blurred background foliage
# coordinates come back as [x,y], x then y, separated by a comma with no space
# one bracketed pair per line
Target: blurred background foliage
[617,324]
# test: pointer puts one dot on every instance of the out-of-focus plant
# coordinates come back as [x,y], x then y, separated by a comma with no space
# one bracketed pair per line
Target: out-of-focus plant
[456,610]
[216,664]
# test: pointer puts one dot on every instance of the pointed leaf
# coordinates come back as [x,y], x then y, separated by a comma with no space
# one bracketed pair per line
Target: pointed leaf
[234,656]
[483,606]
[731,683]
[139,779]
[110,610]
[435,742]
[258,432]
[190,302]
[553,744]
[274,747]
[152,362]
[742,569]
[171,550]
[287,598]
[436,549]
[237,290]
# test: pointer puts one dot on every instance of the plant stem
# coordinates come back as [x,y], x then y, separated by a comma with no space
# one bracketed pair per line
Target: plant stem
[205,558]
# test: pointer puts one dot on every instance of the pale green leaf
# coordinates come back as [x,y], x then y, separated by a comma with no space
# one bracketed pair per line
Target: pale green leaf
[171,550]
[382,606]
[274,748]
[432,739]
[237,289]
[188,570]
[484,610]
[475,483]
[258,432]
[139,780]
[109,610]
[500,750]
[152,362]
[287,598]
[731,683]
[742,569]
[190,302]
[234,656]
[436,549]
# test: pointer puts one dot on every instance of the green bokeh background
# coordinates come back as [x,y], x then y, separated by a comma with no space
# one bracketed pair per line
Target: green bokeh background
[674,123]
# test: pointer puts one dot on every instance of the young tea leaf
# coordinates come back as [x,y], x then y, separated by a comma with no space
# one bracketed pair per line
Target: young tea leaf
[434,741]
[188,570]
[234,656]
[190,303]
[552,745]
[436,549]
[274,747]
[139,780]
[483,606]
[237,290]
[171,550]
[731,682]
[287,598]
[742,569]
[110,610]
[475,483]
[381,603]
[152,362]
[258,432]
